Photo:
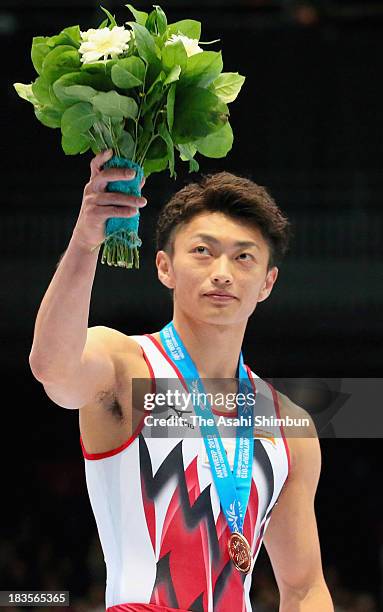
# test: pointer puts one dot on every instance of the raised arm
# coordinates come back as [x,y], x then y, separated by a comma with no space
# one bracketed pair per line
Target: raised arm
[70,360]
[291,539]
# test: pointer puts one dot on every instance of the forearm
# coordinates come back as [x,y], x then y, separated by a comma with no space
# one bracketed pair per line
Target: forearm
[62,320]
[313,599]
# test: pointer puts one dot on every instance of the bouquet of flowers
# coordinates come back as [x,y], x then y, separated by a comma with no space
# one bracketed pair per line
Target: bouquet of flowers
[144,89]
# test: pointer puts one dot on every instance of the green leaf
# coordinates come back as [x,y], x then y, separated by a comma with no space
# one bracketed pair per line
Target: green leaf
[158,81]
[157,149]
[80,93]
[112,20]
[48,116]
[103,24]
[155,165]
[202,68]
[156,22]
[60,87]
[124,79]
[74,33]
[44,93]
[159,41]
[25,92]
[174,54]
[78,118]
[101,68]
[197,113]
[173,75]
[170,106]
[162,22]
[153,97]
[68,36]
[128,72]
[139,16]
[193,165]
[187,151]
[163,132]
[117,126]
[135,66]
[74,143]
[95,148]
[115,105]
[148,124]
[152,73]
[145,44]
[40,89]
[187,27]
[156,96]
[227,86]
[217,144]
[151,24]
[39,51]
[126,145]
[59,61]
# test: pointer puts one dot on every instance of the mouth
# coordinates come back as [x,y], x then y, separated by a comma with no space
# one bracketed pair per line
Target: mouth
[220,296]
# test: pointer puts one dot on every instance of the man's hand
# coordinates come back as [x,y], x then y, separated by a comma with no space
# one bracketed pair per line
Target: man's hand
[99,205]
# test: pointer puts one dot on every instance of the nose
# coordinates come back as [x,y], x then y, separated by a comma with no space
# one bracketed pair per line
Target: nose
[221,273]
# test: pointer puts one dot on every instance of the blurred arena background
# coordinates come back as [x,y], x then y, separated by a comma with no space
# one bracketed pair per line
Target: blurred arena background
[308,125]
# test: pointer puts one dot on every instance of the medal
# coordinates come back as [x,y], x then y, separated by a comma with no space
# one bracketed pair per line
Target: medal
[233,487]
[240,552]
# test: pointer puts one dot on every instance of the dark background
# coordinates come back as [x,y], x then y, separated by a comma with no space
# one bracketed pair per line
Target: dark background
[308,125]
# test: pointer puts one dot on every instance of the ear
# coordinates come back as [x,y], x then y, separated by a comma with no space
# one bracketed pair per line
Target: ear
[165,269]
[270,279]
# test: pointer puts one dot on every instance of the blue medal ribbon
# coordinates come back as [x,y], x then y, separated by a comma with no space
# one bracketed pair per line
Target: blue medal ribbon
[233,487]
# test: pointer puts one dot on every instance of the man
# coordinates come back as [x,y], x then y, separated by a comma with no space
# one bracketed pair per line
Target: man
[179,528]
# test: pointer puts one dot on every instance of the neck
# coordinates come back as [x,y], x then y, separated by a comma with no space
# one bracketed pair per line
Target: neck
[215,349]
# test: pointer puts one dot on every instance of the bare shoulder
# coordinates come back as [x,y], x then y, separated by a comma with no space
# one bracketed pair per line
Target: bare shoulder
[304,424]
[125,353]
[302,439]
[108,356]
[115,340]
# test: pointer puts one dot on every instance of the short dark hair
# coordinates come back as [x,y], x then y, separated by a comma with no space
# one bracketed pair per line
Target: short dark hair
[235,196]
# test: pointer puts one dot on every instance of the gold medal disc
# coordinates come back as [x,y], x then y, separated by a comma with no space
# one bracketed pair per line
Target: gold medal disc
[240,552]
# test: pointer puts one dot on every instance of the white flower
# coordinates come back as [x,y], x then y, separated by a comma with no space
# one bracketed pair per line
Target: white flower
[103,42]
[190,44]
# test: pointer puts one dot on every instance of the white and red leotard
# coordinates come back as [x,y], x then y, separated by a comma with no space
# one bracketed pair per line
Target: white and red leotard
[162,530]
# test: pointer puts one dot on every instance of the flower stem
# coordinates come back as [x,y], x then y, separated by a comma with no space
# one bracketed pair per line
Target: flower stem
[97,128]
[146,149]
[113,137]
[153,136]
[93,138]
[139,115]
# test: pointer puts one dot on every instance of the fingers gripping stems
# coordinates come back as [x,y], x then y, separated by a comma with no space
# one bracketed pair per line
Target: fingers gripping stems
[122,241]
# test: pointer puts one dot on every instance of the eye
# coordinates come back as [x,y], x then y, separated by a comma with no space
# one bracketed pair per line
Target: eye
[201,250]
[245,257]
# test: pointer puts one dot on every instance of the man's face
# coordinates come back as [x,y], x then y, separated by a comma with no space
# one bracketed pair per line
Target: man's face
[218,270]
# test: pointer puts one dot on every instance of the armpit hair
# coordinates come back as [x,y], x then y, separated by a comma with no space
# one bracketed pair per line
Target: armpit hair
[109,401]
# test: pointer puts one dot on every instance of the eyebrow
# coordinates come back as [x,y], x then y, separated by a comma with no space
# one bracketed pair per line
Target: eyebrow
[238,243]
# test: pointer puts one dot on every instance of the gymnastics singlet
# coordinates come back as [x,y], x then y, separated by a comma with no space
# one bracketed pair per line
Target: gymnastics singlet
[162,530]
